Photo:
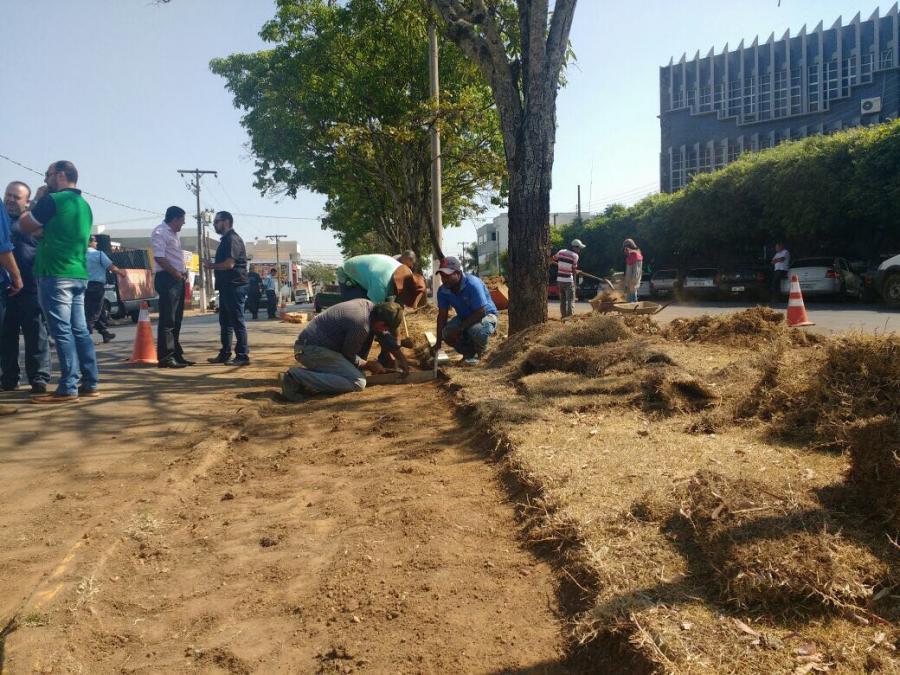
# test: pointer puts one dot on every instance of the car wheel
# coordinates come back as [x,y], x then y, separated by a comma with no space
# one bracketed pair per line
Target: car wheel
[891,290]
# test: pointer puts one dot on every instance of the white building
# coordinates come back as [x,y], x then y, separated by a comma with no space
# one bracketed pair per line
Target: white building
[493,239]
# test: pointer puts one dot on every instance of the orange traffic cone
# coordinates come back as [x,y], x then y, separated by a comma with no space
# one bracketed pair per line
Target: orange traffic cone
[796,310]
[144,351]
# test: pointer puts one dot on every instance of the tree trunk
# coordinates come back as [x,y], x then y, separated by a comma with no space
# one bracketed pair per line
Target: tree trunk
[529,214]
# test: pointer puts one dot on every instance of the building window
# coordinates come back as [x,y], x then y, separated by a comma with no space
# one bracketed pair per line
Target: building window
[812,88]
[887,59]
[831,81]
[764,142]
[867,66]
[749,107]
[706,161]
[796,107]
[677,174]
[719,100]
[765,98]
[848,76]
[706,99]
[733,152]
[781,94]
[734,98]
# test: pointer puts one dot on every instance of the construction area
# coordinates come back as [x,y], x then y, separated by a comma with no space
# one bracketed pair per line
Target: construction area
[602,494]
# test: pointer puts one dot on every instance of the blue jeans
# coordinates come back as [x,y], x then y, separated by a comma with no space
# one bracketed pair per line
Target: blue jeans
[62,301]
[23,317]
[325,371]
[231,320]
[474,339]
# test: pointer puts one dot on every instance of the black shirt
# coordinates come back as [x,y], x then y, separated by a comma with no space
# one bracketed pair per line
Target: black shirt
[231,246]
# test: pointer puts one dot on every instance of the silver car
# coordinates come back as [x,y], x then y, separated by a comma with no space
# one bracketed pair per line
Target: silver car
[825,276]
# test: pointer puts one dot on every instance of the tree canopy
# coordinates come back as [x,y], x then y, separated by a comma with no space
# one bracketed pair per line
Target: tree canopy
[340,106]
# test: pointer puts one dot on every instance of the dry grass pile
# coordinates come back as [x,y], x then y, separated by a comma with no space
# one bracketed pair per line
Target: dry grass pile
[608,295]
[670,390]
[874,473]
[740,329]
[641,324]
[780,552]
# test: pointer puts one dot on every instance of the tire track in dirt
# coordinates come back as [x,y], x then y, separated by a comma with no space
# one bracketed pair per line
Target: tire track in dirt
[358,533]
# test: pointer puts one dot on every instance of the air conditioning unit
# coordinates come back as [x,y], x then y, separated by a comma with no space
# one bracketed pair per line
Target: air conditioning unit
[870,105]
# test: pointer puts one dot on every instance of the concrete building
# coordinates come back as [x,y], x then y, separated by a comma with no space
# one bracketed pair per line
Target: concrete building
[493,239]
[714,108]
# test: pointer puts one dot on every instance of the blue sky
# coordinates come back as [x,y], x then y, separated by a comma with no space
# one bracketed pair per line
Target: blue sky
[123,89]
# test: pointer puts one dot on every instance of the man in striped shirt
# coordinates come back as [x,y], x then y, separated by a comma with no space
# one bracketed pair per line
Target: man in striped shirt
[566,271]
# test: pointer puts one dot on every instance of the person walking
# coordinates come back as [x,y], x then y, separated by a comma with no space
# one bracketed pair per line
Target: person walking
[63,220]
[270,285]
[169,282]
[781,265]
[98,264]
[23,311]
[230,269]
[254,293]
[566,275]
[634,263]
[334,349]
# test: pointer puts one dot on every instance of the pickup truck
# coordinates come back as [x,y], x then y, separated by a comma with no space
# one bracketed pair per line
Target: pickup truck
[326,297]
[887,281]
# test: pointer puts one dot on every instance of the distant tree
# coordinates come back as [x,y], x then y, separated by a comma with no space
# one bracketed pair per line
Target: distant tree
[319,273]
[520,47]
[470,261]
[340,105]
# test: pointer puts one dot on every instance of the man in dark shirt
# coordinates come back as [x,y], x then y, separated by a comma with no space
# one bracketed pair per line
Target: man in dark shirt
[230,268]
[334,348]
[254,293]
[23,312]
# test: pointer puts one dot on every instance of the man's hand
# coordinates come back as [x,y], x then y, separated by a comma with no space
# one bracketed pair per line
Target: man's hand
[374,367]
[15,285]
[121,273]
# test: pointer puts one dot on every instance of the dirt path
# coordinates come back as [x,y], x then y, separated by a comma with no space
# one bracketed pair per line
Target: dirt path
[351,534]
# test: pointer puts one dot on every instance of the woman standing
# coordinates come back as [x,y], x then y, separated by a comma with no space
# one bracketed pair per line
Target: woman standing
[634,262]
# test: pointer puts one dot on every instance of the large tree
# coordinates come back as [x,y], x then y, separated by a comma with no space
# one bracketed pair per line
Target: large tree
[340,105]
[520,47]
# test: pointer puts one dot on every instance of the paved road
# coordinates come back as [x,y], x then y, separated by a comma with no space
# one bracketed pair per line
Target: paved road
[829,318]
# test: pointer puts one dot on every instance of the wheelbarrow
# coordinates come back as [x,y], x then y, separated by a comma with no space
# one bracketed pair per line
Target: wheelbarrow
[643,307]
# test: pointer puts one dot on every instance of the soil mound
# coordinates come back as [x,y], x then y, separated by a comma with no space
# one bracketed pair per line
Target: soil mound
[746,328]
[874,472]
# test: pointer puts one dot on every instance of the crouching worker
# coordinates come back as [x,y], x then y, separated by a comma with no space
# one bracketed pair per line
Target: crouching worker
[476,314]
[334,349]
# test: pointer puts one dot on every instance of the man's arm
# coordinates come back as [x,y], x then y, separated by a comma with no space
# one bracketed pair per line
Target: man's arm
[8,262]
[223,266]
[28,225]
[441,324]
[33,221]
[473,318]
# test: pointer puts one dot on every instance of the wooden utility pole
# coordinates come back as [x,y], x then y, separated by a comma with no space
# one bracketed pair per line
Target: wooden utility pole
[579,203]
[201,254]
[437,223]
[277,237]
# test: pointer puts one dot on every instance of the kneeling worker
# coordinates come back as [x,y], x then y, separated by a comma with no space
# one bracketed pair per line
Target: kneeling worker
[334,349]
[476,314]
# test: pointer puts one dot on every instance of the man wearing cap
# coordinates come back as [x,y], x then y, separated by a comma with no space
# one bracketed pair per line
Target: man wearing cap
[476,314]
[334,349]
[566,260]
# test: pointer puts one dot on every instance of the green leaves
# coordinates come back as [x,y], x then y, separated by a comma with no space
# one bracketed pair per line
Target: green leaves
[340,106]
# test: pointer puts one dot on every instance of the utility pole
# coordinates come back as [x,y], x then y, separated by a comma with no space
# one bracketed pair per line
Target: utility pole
[464,258]
[277,237]
[436,207]
[579,203]
[195,187]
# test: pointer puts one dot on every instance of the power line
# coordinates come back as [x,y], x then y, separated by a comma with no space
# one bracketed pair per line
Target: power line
[89,194]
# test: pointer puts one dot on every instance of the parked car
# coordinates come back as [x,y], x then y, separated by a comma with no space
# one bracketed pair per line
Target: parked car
[887,281]
[701,282]
[643,290]
[743,280]
[587,289]
[328,295]
[825,276]
[665,283]
[301,296]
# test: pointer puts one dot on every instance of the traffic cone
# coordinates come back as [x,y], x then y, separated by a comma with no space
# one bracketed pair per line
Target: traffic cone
[144,351]
[796,310]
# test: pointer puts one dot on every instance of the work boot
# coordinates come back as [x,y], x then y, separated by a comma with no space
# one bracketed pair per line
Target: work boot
[108,337]
[220,358]
[238,361]
[38,389]
[291,390]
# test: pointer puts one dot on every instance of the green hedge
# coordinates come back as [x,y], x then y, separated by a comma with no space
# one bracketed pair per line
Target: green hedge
[837,194]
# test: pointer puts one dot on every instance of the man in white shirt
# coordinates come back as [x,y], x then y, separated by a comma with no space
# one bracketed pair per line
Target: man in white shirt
[169,280]
[781,262]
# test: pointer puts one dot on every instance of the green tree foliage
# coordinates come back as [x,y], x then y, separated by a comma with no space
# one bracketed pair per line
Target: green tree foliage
[319,273]
[837,194]
[470,260]
[340,106]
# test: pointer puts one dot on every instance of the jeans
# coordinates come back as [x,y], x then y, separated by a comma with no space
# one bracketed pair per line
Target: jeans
[566,298]
[474,339]
[171,312]
[325,371]
[62,301]
[23,315]
[253,304]
[775,284]
[271,303]
[231,320]
[93,307]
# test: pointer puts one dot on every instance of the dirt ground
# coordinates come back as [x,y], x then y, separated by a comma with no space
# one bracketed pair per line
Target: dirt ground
[188,522]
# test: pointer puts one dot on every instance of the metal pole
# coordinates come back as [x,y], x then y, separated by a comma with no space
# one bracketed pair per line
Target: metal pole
[436,207]
[201,255]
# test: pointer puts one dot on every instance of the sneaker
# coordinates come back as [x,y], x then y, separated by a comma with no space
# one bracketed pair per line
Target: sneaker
[221,358]
[90,393]
[238,361]
[55,398]
[10,387]
[38,389]
[471,360]
[108,337]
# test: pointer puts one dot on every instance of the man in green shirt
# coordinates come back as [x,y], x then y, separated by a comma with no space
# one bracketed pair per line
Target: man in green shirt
[63,220]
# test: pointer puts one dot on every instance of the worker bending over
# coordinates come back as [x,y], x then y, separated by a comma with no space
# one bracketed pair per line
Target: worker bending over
[476,314]
[379,278]
[334,349]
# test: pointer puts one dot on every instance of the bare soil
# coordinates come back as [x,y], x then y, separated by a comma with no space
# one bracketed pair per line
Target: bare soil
[188,521]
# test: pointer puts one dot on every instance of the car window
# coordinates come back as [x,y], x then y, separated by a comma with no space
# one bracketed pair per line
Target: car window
[665,274]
